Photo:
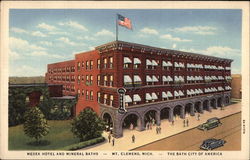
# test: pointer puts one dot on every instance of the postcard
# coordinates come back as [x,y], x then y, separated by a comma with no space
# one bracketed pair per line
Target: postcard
[124,80]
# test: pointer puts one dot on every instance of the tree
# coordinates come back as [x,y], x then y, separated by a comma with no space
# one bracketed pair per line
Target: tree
[35,125]
[87,125]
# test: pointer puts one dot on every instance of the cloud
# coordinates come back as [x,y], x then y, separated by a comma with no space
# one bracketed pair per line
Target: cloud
[174,45]
[25,71]
[38,34]
[18,30]
[20,45]
[46,43]
[67,41]
[46,26]
[176,39]
[149,31]
[75,25]
[85,38]
[105,32]
[14,56]
[201,30]
[44,53]
[220,51]
[58,33]
[91,48]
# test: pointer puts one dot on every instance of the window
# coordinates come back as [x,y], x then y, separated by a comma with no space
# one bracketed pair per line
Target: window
[82,78]
[137,63]
[98,97]
[82,92]
[105,62]
[87,65]
[87,95]
[111,100]
[78,79]
[98,79]
[105,80]
[105,99]
[91,79]
[126,62]
[78,66]
[87,79]
[91,95]
[98,64]
[111,81]
[91,64]
[78,92]
[110,62]
[127,80]
[82,64]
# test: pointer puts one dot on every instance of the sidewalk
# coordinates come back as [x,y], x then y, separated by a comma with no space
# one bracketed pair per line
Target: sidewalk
[148,136]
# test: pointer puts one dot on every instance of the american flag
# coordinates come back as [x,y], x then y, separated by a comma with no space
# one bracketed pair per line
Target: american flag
[124,21]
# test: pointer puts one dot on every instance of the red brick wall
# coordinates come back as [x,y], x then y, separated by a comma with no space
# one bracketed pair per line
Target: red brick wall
[82,71]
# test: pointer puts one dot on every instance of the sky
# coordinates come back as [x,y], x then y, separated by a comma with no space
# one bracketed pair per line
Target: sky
[38,37]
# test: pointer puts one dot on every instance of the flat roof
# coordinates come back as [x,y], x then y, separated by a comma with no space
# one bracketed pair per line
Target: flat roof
[123,43]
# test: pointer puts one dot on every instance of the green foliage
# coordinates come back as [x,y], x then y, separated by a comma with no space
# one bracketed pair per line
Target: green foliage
[87,125]
[84,144]
[35,125]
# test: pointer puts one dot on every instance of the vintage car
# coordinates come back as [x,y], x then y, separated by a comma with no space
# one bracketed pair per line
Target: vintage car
[211,123]
[210,144]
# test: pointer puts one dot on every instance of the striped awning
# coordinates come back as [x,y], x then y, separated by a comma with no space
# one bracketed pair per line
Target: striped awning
[126,60]
[128,99]
[154,96]
[137,61]
[136,98]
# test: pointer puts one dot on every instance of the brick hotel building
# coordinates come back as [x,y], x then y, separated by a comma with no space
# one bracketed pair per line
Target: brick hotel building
[160,83]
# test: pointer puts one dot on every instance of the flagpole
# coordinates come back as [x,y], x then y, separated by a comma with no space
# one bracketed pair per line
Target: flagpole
[116,23]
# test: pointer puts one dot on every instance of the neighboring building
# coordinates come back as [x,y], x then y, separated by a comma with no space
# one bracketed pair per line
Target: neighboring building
[236,86]
[159,83]
[34,91]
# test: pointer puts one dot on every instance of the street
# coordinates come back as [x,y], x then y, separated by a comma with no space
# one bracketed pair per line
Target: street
[191,140]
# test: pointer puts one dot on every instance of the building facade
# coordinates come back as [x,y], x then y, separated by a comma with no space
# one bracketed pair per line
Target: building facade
[160,83]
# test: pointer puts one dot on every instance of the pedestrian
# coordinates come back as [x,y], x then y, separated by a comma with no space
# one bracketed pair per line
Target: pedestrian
[109,137]
[113,142]
[184,122]
[111,130]
[153,121]
[131,126]
[187,122]
[172,122]
[199,116]
[147,126]
[133,139]
[159,129]
[150,126]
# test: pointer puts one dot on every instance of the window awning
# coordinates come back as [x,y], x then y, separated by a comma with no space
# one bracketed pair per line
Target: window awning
[148,96]
[169,94]
[137,61]
[164,95]
[197,91]
[154,96]
[154,79]
[164,79]
[176,64]
[188,92]
[148,78]
[137,78]
[192,91]
[126,60]
[200,91]
[148,62]
[188,78]
[164,64]
[176,78]
[136,98]
[176,94]
[181,93]
[128,99]
[154,63]
[127,79]
[170,78]
[169,63]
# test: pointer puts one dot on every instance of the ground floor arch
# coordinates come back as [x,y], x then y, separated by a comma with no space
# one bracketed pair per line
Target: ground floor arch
[189,109]
[165,113]
[178,112]
[227,100]
[213,103]
[198,107]
[107,118]
[131,121]
[206,106]
[219,102]
[150,116]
